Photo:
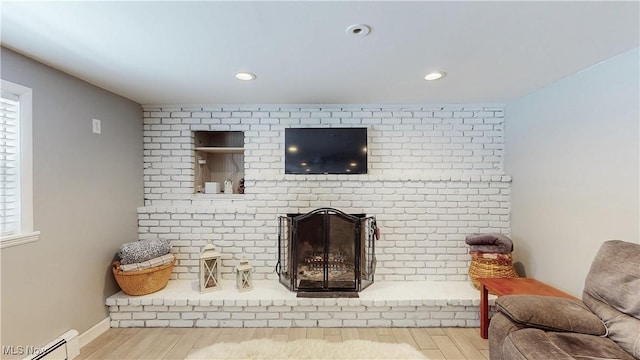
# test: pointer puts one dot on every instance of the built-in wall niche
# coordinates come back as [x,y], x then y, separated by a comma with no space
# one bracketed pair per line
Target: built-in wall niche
[219,158]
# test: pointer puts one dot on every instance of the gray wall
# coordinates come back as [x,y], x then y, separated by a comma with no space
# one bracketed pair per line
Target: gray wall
[86,191]
[572,150]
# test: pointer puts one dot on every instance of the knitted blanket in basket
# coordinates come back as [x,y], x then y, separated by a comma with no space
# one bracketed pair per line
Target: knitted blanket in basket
[490,243]
[157,261]
[143,250]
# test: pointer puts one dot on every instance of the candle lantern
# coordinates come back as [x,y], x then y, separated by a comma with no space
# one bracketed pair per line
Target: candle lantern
[209,269]
[243,276]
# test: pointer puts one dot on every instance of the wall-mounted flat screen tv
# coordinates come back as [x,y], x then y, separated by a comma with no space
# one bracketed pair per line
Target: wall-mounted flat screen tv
[325,150]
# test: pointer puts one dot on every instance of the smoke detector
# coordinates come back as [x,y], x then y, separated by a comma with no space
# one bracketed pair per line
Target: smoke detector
[359,30]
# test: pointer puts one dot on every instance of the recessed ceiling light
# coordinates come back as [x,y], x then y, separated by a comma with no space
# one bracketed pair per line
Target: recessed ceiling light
[434,75]
[245,76]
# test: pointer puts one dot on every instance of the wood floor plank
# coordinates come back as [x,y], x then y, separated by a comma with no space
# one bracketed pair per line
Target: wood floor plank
[332,331]
[208,337]
[423,339]
[386,339]
[367,334]
[227,335]
[139,338]
[463,344]
[182,348]
[384,332]
[385,335]
[297,333]
[244,334]
[262,333]
[280,337]
[433,354]
[403,335]
[105,343]
[349,334]
[485,353]
[435,331]
[332,334]
[315,333]
[473,335]
[333,338]
[163,342]
[280,334]
[172,343]
[97,345]
[447,347]
[145,345]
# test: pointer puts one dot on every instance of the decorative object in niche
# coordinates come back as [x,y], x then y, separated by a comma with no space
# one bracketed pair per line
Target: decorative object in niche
[228,186]
[212,188]
[241,186]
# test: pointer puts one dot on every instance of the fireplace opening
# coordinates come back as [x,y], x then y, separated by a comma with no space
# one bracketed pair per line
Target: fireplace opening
[326,251]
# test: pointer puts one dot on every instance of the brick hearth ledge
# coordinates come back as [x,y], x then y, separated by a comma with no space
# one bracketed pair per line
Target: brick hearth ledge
[383,304]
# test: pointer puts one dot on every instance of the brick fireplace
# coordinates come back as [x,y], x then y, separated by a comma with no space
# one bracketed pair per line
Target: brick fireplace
[435,175]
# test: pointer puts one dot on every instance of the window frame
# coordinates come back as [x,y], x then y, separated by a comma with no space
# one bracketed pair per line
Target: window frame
[26,233]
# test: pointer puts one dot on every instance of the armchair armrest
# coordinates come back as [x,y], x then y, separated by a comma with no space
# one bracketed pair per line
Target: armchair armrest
[551,314]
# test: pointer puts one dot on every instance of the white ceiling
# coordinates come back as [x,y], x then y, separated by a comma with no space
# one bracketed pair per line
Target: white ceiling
[176,52]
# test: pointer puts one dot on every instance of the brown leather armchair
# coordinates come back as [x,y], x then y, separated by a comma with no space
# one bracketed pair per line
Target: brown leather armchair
[604,325]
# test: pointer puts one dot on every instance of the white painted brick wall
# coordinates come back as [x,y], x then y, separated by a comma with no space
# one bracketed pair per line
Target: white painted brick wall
[298,313]
[435,175]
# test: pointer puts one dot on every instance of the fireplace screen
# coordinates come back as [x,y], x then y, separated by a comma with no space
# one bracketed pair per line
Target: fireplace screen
[326,250]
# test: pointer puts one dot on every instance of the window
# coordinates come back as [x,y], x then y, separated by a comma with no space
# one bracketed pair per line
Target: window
[16,186]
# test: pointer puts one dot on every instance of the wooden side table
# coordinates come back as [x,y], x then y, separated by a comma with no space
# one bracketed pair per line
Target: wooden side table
[511,286]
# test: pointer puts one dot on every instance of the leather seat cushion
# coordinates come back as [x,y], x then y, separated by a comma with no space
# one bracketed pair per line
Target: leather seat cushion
[538,344]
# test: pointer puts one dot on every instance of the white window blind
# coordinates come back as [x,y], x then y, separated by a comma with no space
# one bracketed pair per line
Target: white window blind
[9,163]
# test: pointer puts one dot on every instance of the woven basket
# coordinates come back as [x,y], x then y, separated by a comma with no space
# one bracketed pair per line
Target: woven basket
[490,265]
[142,282]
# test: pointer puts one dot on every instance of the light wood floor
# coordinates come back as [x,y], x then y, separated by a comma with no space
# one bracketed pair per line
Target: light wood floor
[176,343]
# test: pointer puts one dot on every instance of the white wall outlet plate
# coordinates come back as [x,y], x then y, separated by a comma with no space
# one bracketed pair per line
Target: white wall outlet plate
[97,126]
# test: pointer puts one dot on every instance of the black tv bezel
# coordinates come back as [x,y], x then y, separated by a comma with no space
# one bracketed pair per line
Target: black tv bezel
[360,170]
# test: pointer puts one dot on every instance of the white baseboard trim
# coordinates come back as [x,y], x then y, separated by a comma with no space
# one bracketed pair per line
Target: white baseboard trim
[97,330]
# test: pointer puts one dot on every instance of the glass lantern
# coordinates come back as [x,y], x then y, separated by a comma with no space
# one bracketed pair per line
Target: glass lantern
[209,269]
[243,276]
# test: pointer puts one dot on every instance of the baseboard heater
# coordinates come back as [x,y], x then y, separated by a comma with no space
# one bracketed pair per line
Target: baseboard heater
[65,347]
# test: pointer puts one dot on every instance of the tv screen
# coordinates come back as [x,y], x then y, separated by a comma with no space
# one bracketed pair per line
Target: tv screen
[325,150]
